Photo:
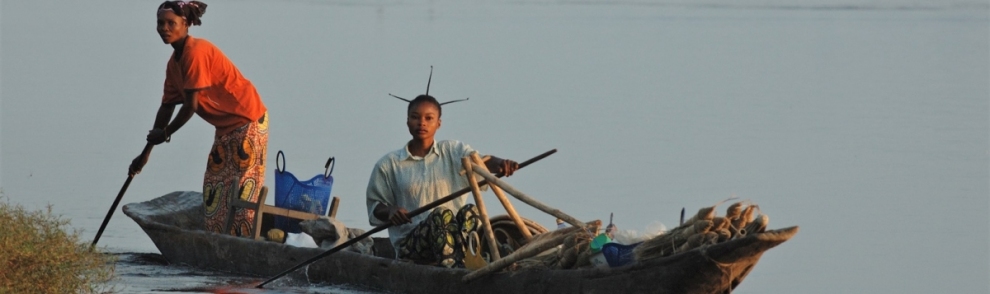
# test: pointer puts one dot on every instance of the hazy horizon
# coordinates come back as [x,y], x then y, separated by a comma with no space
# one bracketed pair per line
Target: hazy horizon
[866,123]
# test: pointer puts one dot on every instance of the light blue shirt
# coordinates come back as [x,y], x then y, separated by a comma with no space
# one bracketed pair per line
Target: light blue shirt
[411,182]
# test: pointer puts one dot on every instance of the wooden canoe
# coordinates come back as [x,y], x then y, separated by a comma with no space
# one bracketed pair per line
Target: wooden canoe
[174,222]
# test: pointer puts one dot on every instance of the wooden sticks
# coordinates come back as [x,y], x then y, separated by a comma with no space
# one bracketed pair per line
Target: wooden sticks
[486,224]
[511,211]
[492,179]
[539,244]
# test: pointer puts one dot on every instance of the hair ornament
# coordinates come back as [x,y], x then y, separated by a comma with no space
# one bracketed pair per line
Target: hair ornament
[428,81]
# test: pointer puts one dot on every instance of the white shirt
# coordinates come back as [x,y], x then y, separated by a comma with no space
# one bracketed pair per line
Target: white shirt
[411,182]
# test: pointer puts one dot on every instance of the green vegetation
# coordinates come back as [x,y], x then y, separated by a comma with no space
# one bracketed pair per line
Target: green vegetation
[37,255]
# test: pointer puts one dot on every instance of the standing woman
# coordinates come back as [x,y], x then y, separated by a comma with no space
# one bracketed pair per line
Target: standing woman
[201,78]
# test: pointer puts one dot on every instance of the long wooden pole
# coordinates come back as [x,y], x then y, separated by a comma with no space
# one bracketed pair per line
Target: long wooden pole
[486,224]
[411,214]
[505,202]
[116,201]
[492,179]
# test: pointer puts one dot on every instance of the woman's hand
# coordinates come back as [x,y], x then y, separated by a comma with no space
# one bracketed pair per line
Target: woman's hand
[157,136]
[137,164]
[395,215]
[506,167]
[398,215]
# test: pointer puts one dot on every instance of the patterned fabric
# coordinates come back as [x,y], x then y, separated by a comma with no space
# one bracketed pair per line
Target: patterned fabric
[235,168]
[441,237]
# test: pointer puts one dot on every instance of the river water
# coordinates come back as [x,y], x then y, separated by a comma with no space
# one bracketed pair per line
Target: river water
[867,123]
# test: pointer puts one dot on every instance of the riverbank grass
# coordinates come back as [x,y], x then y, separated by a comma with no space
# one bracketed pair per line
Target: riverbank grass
[39,255]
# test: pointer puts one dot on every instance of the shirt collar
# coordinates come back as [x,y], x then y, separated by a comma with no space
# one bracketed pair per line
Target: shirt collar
[410,156]
[185,48]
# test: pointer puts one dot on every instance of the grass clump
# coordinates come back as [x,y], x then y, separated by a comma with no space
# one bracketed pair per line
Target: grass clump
[37,255]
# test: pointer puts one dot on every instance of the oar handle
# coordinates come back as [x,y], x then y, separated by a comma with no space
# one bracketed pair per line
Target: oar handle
[411,214]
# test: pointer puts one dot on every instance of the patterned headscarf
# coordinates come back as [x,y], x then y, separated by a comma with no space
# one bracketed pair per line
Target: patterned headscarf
[177,9]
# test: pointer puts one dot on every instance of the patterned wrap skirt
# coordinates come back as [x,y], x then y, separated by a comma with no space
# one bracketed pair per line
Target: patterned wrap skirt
[235,168]
[441,236]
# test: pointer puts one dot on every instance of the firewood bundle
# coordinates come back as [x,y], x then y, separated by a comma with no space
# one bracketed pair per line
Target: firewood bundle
[568,248]
[704,228]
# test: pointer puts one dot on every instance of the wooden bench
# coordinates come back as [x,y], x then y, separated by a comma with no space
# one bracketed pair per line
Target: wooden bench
[261,209]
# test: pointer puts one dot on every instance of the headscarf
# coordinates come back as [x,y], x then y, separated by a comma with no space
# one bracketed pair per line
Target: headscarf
[177,9]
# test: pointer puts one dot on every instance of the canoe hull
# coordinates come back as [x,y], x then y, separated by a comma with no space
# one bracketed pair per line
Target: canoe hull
[171,223]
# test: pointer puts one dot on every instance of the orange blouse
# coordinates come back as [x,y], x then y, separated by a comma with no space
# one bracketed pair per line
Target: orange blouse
[227,100]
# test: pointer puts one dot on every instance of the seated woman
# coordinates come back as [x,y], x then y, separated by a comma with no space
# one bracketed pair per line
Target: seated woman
[421,172]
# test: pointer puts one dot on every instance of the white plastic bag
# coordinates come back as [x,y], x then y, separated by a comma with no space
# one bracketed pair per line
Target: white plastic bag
[627,237]
[300,240]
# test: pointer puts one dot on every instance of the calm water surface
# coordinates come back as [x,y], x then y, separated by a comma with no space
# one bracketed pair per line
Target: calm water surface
[868,125]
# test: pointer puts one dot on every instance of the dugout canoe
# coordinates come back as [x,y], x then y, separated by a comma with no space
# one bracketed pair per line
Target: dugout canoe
[174,222]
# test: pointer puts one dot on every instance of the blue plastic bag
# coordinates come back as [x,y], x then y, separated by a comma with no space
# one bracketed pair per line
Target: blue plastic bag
[311,196]
[618,254]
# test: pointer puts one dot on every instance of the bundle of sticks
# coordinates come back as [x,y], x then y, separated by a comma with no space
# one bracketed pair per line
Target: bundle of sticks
[576,238]
[569,247]
[704,228]
[561,249]
[543,251]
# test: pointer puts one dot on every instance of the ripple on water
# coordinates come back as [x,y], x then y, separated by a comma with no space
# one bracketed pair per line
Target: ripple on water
[152,273]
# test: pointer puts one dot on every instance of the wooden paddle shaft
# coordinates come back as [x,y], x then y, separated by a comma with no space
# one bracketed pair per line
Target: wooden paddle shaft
[486,224]
[116,201]
[505,201]
[492,179]
[113,207]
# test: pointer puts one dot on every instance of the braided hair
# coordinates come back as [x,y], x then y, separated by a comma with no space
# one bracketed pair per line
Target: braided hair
[192,11]
[425,99]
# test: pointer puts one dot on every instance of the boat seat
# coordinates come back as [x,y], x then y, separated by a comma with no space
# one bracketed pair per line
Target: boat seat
[262,209]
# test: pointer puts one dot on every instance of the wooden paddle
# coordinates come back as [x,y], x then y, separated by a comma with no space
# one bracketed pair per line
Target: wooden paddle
[411,214]
[113,207]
